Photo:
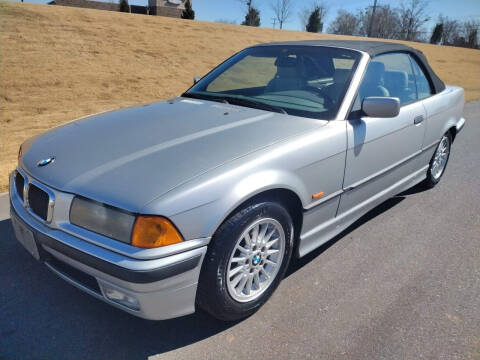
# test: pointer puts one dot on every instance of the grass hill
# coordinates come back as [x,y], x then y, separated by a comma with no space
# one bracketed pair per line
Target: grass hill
[59,63]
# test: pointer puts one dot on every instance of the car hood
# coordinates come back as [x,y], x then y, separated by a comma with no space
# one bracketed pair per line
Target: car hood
[127,158]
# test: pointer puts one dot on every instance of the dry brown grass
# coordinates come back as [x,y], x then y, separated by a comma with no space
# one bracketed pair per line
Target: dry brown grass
[59,63]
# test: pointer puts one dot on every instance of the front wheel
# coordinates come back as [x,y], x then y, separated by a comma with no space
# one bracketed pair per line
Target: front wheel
[439,161]
[246,261]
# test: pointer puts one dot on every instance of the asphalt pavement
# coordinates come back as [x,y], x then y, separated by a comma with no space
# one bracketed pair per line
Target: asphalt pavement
[401,283]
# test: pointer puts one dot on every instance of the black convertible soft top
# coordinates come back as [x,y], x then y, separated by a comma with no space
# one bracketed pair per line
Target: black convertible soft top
[373,48]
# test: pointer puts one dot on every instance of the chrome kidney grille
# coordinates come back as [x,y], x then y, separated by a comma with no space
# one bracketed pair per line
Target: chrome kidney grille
[36,197]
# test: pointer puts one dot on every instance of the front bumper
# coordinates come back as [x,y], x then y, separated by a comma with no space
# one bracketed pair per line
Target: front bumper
[164,287]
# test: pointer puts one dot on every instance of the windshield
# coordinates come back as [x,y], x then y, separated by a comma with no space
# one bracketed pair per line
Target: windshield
[308,81]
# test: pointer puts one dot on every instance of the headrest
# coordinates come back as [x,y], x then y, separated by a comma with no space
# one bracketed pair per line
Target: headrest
[340,76]
[375,72]
[397,79]
[326,65]
[286,61]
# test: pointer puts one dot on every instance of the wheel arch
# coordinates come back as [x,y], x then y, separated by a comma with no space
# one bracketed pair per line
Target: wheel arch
[287,197]
[453,131]
[212,293]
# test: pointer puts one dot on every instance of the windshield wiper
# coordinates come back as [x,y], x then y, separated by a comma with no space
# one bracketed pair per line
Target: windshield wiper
[242,101]
[206,97]
[255,104]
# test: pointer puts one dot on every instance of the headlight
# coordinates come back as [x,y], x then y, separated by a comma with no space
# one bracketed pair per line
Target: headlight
[140,231]
[102,219]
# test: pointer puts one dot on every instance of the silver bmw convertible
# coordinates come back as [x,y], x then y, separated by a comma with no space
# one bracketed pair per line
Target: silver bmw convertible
[201,201]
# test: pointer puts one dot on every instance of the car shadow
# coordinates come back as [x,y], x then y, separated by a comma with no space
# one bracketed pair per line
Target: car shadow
[44,317]
[417,189]
[297,264]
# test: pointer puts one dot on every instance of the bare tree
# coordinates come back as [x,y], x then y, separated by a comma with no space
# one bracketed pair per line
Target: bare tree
[406,23]
[306,12]
[412,17]
[345,23]
[283,11]
[470,33]
[385,24]
[464,34]
[388,23]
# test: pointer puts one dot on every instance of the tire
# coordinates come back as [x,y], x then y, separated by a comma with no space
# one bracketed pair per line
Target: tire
[434,173]
[219,292]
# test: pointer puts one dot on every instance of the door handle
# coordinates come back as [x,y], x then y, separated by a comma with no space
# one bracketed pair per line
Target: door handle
[418,119]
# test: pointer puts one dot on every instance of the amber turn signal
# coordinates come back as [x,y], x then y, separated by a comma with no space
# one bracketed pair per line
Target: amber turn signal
[154,231]
[317,195]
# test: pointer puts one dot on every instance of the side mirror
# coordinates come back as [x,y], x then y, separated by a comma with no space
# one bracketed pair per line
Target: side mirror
[381,107]
[196,79]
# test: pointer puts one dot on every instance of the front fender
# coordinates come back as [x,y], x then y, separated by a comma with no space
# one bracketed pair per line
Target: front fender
[305,165]
[211,203]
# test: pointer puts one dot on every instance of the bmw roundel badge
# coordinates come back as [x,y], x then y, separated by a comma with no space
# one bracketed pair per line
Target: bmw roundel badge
[45,162]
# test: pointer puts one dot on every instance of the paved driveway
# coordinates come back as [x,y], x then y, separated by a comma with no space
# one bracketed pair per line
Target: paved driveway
[402,283]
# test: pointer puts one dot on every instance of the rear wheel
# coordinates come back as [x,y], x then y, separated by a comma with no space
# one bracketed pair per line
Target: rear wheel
[246,261]
[439,161]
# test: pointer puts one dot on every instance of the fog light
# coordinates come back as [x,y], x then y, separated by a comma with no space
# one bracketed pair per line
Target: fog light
[121,298]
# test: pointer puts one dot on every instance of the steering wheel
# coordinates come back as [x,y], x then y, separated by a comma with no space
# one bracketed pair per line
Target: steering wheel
[328,100]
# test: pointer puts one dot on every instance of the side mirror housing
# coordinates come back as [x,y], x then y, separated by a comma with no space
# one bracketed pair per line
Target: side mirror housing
[381,107]
[196,79]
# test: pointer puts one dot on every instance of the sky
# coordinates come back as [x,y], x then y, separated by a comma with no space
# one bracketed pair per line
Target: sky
[212,10]
[233,10]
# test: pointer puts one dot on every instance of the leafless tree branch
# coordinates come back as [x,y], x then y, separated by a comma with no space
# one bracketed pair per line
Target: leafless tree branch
[282,10]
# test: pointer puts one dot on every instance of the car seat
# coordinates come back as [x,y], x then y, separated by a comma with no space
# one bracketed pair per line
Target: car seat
[288,77]
[397,84]
[372,84]
[339,78]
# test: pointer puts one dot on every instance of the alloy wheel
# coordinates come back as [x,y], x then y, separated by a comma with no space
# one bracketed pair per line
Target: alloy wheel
[255,260]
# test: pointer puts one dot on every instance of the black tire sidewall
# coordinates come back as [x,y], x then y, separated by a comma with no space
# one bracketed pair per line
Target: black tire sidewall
[213,294]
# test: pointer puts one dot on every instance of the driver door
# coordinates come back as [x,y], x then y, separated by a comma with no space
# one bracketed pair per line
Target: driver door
[382,153]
